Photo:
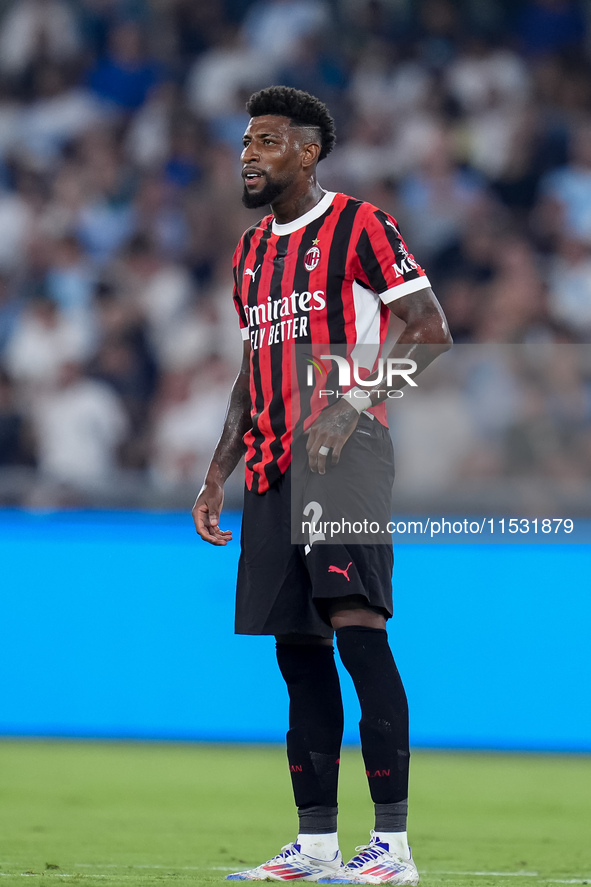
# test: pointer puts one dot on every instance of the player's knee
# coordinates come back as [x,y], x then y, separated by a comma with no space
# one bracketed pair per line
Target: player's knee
[355,610]
[299,639]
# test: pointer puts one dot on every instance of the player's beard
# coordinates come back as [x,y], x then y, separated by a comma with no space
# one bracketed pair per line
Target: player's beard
[270,192]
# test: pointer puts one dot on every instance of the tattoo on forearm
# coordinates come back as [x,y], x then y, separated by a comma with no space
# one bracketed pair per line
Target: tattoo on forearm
[230,446]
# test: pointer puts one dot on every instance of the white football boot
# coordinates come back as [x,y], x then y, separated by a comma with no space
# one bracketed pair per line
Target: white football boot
[293,865]
[374,864]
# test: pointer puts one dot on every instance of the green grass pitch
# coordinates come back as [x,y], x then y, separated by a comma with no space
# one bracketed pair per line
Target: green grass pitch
[137,814]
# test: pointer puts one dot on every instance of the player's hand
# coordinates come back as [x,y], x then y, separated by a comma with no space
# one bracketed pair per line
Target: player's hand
[206,514]
[331,430]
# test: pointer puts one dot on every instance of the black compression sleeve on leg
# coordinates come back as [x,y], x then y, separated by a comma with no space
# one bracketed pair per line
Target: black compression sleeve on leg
[315,732]
[383,727]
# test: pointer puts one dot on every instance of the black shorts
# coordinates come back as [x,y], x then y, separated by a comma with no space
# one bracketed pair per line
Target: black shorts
[285,587]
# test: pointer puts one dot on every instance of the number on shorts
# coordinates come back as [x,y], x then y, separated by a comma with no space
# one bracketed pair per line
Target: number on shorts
[313,510]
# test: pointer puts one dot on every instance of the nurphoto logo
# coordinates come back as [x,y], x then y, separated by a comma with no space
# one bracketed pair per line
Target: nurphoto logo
[352,372]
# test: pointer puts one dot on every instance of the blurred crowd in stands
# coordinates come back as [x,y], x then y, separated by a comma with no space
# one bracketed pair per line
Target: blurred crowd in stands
[120,131]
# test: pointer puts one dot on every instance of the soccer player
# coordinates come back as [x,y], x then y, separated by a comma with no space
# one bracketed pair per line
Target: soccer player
[321,269]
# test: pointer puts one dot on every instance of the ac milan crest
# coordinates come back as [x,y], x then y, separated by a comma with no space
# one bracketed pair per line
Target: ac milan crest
[312,258]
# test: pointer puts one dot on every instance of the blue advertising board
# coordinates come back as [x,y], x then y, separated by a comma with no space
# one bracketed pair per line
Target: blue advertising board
[121,625]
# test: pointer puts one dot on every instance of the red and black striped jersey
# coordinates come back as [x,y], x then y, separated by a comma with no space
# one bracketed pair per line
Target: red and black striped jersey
[326,278]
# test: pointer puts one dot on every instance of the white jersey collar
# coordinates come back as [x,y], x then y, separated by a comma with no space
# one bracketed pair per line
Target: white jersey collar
[308,217]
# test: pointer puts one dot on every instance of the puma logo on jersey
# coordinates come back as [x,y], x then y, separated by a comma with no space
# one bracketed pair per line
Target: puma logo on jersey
[288,306]
[252,273]
[345,572]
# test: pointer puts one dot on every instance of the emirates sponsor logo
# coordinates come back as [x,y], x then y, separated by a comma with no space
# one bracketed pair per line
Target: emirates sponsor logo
[288,306]
[282,319]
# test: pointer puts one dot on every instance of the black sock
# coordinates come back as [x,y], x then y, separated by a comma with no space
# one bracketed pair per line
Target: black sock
[315,732]
[383,727]
[391,817]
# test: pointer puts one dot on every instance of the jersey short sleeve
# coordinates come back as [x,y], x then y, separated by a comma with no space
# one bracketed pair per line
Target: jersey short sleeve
[383,261]
[238,303]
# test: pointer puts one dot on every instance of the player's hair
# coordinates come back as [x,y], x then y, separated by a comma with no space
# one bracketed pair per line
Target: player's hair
[302,109]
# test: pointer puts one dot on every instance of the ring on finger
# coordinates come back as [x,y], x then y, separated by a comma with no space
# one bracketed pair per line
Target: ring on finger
[323,451]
